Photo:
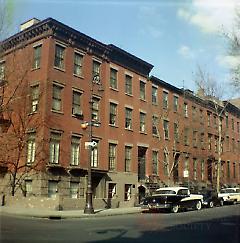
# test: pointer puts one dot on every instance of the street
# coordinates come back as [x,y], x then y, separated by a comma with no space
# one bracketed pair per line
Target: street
[220,225]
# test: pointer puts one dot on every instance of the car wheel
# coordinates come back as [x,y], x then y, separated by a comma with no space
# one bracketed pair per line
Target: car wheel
[234,202]
[198,205]
[175,209]
[221,203]
[210,204]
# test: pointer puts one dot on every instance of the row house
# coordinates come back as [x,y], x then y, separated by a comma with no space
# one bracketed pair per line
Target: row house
[70,89]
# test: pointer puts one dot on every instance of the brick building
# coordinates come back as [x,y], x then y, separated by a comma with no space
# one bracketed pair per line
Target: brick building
[147,133]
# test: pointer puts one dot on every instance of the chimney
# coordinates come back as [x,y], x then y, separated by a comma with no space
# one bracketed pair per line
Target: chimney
[29,23]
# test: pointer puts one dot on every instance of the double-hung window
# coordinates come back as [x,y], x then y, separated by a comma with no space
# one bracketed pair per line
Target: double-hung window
[112,156]
[166,129]
[165,99]
[128,118]
[36,56]
[128,158]
[76,103]
[95,108]
[75,150]
[154,162]
[142,122]
[34,98]
[31,148]
[57,98]
[128,85]
[142,90]
[54,147]
[154,95]
[94,154]
[2,71]
[59,56]
[78,60]
[113,78]
[113,114]
[96,71]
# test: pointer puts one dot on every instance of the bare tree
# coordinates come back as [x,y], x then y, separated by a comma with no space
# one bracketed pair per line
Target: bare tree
[213,92]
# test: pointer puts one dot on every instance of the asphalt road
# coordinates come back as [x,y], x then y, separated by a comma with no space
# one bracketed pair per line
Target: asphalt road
[220,225]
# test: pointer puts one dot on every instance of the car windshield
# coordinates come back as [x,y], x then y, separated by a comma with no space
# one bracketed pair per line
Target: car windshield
[166,192]
[227,190]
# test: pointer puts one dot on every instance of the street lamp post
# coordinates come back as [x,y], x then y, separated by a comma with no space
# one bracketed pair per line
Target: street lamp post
[89,193]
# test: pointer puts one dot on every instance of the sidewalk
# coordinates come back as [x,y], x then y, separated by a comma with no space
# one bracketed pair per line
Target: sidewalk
[52,214]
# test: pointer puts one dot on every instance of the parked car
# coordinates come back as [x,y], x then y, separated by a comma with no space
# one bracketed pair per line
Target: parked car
[230,195]
[173,199]
[210,198]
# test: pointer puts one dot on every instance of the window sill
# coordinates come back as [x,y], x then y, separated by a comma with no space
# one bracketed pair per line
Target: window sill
[141,99]
[32,113]
[78,76]
[129,94]
[34,69]
[128,129]
[144,133]
[114,89]
[58,112]
[59,69]
[114,126]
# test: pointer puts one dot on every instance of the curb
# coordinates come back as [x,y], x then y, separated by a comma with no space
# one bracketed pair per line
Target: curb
[58,216]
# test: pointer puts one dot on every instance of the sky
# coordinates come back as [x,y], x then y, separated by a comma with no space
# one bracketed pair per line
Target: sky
[173,35]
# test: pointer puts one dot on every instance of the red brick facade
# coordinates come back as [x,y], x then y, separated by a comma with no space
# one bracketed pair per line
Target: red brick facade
[130,152]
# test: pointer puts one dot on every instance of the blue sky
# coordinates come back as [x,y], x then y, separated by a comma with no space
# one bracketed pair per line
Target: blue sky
[173,35]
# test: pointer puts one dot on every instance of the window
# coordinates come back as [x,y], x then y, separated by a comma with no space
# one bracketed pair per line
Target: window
[112,156]
[232,124]
[112,190]
[142,122]
[52,189]
[94,155]
[59,56]
[233,145]
[176,134]
[31,148]
[56,98]
[128,118]
[28,187]
[186,136]
[76,104]
[202,169]
[228,169]
[227,123]
[195,169]
[202,140]
[186,168]
[2,71]
[75,147]
[154,95]
[128,158]
[209,119]
[194,139]
[113,78]
[142,90]
[165,163]
[216,144]
[234,170]
[54,149]
[175,103]
[127,192]
[155,125]
[74,189]
[165,100]
[238,127]
[185,109]
[227,143]
[78,60]
[37,56]
[128,85]
[95,108]
[34,98]
[155,162]
[201,116]
[215,121]
[194,113]
[166,129]
[113,114]
[209,142]
[96,69]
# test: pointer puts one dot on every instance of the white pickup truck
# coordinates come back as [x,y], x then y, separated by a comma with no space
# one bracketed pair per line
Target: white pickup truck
[230,195]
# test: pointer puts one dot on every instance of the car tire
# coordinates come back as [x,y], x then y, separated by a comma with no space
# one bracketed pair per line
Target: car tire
[198,205]
[175,209]
[234,202]
[210,204]
[221,203]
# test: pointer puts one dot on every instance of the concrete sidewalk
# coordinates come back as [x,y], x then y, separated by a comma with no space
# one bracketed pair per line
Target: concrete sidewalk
[52,214]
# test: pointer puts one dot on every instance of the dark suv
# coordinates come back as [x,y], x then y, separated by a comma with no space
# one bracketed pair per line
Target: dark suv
[210,198]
